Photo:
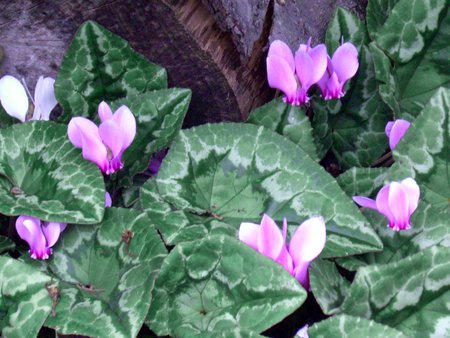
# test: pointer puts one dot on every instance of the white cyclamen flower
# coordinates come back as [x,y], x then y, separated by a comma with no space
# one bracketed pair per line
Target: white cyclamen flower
[14,100]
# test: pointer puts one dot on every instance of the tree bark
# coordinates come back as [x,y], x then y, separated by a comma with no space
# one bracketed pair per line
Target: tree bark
[217,48]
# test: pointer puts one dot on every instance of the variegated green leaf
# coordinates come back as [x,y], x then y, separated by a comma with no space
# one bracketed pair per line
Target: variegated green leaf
[377,13]
[5,119]
[328,286]
[101,66]
[107,273]
[354,125]
[363,181]
[217,176]
[43,175]
[423,153]
[25,301]
[219,284]
[345,326]
[411,295]
[159,116]
[6,244]
[287,120]
[416,36]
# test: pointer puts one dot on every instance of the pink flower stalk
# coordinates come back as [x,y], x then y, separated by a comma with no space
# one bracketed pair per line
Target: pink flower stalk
[105,144]
[294,76]
[306,244]
[40,236]
[396,200]
[395,130]
[340,68]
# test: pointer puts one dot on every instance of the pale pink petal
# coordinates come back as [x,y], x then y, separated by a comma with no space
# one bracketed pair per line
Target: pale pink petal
[345,61]
[78,126]
[388,128]
[365,202]
[281,76]
[399,205]
[248,233]
[29,229]
[282,50]
[398,130]
[270,239]
[319,58]
[95,151]
[308,240]
[13,97]
[104,111]
[111,136]
[382,201]
[334,88]
[127,123]
[51,231]
[44,98]
[108,200]
[304,68]
[301,274]
[413,192]
[284,232]
[285,260]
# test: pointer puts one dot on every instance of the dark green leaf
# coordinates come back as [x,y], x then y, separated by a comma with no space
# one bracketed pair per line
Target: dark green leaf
[101,66]
[43,175]
[6,244]
[218,284]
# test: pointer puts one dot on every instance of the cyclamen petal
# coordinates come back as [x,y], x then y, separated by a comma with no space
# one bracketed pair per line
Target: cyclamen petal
[395,131]
[280,76]
[13,97]
[104,111]
[282,50]
[44,98]
[397,201]
[270,239]
[308,240]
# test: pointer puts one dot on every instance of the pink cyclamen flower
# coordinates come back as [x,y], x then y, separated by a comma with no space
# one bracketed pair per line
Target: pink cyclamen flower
[306,244]
[40,236]
[295,75]
[396,200]
[341,67]
[105,144]
[395,130]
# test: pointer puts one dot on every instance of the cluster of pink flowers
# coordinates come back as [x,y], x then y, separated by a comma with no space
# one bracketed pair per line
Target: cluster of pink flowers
[295,74]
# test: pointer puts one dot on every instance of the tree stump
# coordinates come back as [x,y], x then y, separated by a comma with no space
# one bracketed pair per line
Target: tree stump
[217,48]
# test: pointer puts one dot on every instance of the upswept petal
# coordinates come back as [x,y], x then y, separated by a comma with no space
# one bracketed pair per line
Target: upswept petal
[308,240]
[282,50]
[399,205]
[382,201]
[365,202]
[345,61]
[95,151]
[78,126]
[285,260]
[13,97]
[104,111]
[44,98]
[301,274]
[304,68]
[270,239]
[388,128]
[319,58]
[51,231]
[281,76]
[413,193]
[111,136]
[29,229]
[398,130]
[248,233]
[108,200]
[127,123]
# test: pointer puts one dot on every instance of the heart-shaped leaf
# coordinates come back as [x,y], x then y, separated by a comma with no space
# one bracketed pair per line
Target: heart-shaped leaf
[363,181]
[345,326]
[377,13]
[107,273]
[101,66]
[159,116]
[328,286]
[43,175]
[217,176]
[218,284]
[411,295]
[25,301]
[415,36]
[287,120]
